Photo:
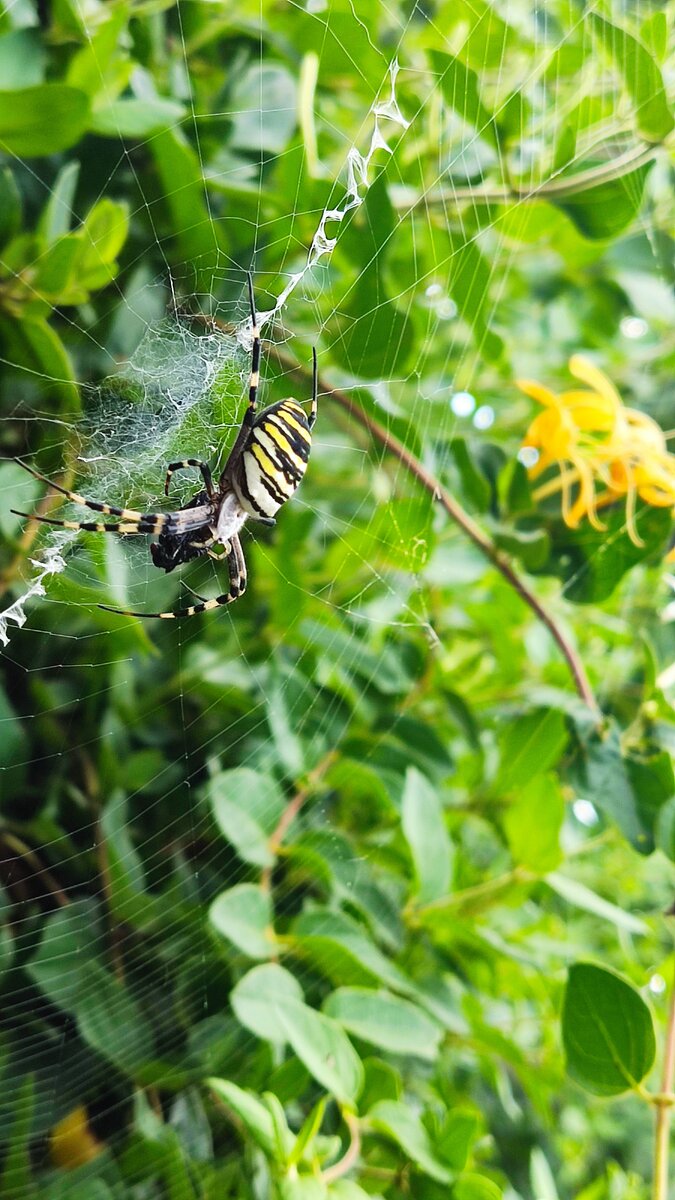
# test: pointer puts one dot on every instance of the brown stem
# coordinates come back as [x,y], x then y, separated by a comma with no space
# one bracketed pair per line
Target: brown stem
[467,524]
[454,510]
[291,811]
[23,851]
[32,528]
[664,1103]
[351,1154]
[569,185]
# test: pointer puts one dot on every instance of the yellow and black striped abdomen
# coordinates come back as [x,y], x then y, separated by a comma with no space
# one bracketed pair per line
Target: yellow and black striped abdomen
[274,459]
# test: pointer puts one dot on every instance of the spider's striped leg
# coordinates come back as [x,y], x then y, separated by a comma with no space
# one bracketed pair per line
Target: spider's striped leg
[128,514]
[315,388]
[254,380]
[217,556]
[237,568]
[190,462]
[90,526]
[181,521]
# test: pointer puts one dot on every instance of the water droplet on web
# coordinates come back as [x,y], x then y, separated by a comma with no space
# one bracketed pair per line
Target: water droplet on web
[633,327]
[484,417]
[585,812]
[462,404]
[446,309]
[528,456]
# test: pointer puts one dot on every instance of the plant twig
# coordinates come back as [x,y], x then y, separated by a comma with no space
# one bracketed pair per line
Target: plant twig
[568,185]
[291,811]
[473,531]
[663,1103]
[49,500]
[454,510]
[23,851]
[351,1154]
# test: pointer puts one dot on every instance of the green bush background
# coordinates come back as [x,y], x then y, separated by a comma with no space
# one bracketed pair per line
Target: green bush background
[377,983]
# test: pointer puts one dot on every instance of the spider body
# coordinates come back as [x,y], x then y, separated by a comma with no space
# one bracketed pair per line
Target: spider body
[263,470]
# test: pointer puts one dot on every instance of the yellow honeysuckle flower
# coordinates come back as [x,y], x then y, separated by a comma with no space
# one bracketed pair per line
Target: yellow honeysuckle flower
[71,1142]
[595,440]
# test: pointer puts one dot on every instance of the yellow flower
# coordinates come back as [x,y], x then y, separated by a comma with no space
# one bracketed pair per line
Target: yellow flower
[71,1142]
[604,452]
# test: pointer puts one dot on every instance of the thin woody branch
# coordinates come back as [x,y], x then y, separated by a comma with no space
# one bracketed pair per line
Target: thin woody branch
[461,518]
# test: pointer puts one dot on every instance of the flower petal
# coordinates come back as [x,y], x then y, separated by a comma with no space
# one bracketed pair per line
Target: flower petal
[583,369]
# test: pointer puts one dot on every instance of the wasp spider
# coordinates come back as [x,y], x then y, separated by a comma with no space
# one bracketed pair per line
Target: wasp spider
[263,470]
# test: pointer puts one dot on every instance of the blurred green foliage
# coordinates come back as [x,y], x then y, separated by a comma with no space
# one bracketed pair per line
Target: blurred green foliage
[290,892]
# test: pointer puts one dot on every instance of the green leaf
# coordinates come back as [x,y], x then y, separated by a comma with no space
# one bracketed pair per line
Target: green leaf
[244,915]
[36,349]
[607,1031]
[583,897]
[665,830]
[374,339]
[398,1122]
[10,205]
[197,241]
[455,1136]
[385,1020]
[460,89]
[287,743]
[57,214]
[603,211]
[22,59]
[104,232]
[346,1189]
[471,1186]
[16,1174]
[308,1131]
[251,1004]
[247,806]
[111,1021]
[14,750]
[602,776]
[427,836]
[268,1001]
[131,118]
[533,822]
[341,948]
[127,896]
[69,940]
[323,1048]
[251,1112]
[42,120]
[641,76]
[475,487]
[654,34]
[470,279]
[541,1176]
[529,747]
[301,1187]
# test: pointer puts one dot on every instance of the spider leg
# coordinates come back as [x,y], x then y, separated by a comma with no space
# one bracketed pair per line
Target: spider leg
[217,556]
[315,389]
[128,514]
[254,380]
[237,568]
[181,521]
[90,526]
[190,462]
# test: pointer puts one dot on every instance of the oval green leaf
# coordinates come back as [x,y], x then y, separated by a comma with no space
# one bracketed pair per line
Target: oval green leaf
[607,1031]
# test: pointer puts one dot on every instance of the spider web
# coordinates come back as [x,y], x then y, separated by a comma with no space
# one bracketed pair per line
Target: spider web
[178,392]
